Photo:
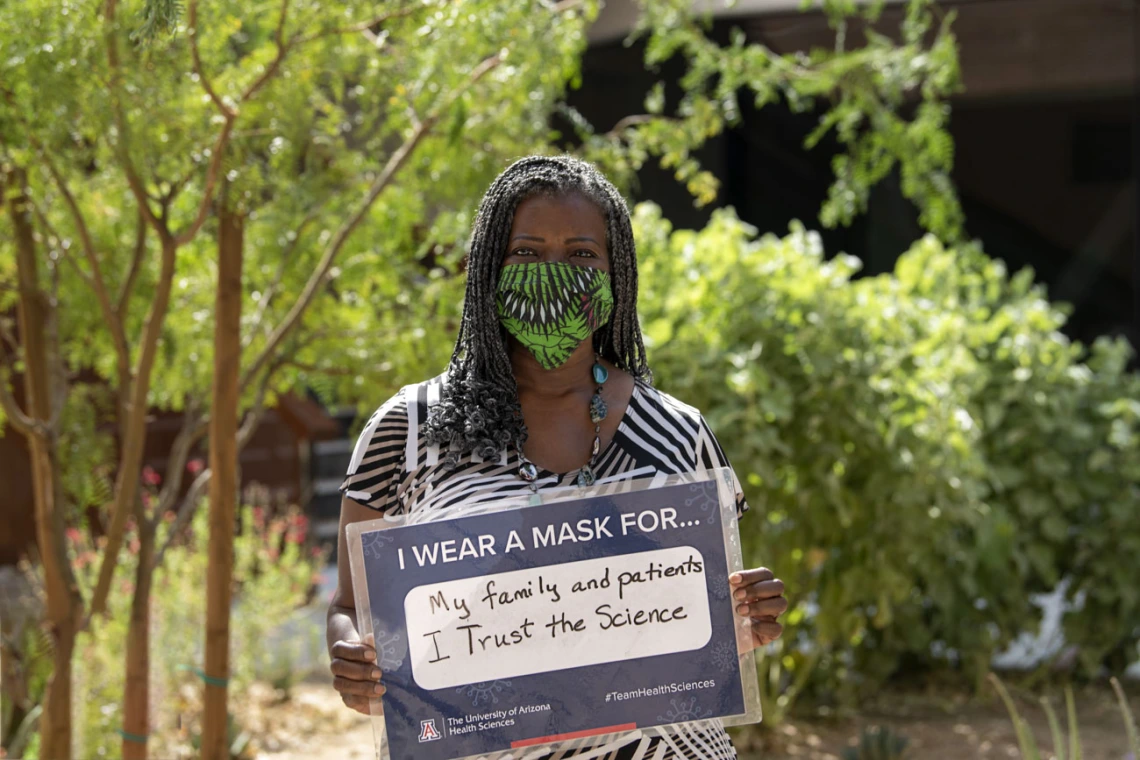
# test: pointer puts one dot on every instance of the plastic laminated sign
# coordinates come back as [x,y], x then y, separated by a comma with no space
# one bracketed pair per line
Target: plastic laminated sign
[564,616]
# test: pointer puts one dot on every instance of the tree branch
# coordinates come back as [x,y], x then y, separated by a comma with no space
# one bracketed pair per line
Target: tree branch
[128,283]
[212,172]
[279,275]
[192,32]
[395,163]
[358,27]
[184,513]
[23,424]
[133,408]
[256,412]
[194,494]
[630,121]
[95,281]
[327,371]
[58,379]
[122,139]
[282,50]
[52,233]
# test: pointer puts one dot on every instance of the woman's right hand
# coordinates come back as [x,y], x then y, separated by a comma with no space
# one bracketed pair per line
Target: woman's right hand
[356,674]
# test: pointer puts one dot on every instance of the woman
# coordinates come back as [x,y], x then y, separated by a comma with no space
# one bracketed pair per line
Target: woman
[548,387]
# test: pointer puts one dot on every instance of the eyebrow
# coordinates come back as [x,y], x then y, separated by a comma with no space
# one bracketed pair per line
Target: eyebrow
[585,239]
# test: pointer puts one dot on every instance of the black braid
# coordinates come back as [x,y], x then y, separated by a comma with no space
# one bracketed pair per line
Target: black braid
[479,409]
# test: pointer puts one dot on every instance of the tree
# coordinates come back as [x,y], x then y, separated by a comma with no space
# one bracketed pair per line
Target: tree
[44,386]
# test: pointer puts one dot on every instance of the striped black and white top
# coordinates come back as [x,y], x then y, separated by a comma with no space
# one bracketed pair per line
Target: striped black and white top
[396,473]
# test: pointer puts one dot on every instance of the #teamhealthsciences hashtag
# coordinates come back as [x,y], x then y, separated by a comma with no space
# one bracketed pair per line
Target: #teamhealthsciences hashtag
[657,691]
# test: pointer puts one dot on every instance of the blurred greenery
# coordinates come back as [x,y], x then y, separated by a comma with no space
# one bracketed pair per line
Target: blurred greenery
[273,571]
[922,450]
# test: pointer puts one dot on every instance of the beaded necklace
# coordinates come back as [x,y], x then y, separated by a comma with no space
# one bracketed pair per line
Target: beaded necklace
[586,477]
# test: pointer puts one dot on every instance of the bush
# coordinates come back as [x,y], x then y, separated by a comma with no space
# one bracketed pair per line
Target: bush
[922,449]
[273,574]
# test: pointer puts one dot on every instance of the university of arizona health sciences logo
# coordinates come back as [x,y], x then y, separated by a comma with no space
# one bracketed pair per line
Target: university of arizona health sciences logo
[428,731]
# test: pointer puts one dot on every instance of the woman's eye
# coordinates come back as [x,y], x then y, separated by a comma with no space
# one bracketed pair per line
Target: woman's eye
[586,253]
[523,252]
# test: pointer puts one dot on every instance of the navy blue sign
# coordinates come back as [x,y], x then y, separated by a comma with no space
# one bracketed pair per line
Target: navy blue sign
[555,622]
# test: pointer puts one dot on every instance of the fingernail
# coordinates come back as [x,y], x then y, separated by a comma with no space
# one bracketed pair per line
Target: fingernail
[735,578]
[743,608]
[370,655]
[379,689]
[375,673]
[741,594]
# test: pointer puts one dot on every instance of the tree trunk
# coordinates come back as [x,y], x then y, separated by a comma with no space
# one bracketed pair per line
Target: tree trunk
[136,689]
[223,482]
[133,430]
[63,600]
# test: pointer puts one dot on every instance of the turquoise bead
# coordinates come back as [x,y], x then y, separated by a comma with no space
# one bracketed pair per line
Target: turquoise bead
[598,409]
[601,374]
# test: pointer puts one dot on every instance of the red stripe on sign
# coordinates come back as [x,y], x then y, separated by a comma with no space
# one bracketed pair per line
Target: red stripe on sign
[573,735]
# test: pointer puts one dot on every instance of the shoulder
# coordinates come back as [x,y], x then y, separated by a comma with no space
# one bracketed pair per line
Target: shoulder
[383,432]
[666,408]
[389,439]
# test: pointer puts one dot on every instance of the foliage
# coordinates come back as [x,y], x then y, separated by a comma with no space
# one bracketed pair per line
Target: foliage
[274,571]
[864,97]
[1027,743]
[27,650]
[921,449]
[303,152]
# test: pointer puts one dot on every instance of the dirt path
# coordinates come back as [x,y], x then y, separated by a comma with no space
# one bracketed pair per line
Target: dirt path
[315,726]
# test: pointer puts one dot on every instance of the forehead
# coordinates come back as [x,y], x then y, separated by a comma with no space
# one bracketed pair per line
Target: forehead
[571,213]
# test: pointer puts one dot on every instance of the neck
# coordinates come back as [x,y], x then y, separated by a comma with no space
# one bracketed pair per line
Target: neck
[573,377]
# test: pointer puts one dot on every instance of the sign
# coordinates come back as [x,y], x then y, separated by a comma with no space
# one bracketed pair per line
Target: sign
[542,624]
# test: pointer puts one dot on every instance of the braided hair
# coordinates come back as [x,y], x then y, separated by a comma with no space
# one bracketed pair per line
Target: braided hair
[479,409]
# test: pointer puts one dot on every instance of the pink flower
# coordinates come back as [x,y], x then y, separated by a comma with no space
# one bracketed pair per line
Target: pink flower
[133,546]
[73,535]
[195,466]
[150,477]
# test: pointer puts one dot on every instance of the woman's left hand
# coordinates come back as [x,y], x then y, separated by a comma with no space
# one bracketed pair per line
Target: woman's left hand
[759,596]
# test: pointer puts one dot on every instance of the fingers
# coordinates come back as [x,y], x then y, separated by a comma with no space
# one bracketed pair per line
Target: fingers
[765,630]
[353,650]
[356,675]
[748,577]
[760,590]
[764,608]
[347,687]
[356,671]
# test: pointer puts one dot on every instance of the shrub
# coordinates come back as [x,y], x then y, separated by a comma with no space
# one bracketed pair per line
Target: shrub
[922,449]
[273,574]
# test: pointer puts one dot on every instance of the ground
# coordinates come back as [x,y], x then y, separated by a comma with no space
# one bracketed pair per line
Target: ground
[313,725]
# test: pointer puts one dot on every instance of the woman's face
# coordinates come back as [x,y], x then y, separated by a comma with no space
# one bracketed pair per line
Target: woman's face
[564,228]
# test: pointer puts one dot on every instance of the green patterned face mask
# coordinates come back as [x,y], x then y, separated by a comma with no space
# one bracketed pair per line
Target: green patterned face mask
[551,307]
